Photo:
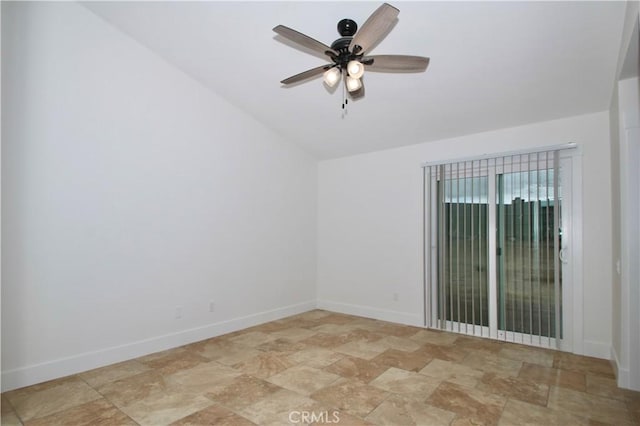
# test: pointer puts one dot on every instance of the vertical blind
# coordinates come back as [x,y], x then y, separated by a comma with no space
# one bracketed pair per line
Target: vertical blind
[493,247]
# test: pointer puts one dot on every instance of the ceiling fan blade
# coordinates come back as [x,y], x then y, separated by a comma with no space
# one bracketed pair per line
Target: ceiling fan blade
[313,72]
[304,40]
[374,28]
[395,63]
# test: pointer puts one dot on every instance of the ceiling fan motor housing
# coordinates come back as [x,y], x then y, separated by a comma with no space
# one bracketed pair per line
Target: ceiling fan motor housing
[347,28]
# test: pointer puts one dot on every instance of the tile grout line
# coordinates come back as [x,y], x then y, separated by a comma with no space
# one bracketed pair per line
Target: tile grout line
[108,400]
[13,409]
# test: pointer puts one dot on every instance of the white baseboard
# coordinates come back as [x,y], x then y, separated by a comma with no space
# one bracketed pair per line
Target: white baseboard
[622,373]
[38,373]
[596,349]
[369,312]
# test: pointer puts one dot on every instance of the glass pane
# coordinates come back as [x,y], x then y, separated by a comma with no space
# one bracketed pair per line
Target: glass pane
[526,256]
[463,231]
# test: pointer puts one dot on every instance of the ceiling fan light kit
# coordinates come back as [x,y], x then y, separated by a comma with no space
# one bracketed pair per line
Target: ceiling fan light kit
[353,84]
[355,69]
[332,76]
[348,52]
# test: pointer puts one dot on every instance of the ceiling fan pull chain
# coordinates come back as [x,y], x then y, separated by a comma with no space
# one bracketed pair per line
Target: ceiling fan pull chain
[345,102]
[344,97]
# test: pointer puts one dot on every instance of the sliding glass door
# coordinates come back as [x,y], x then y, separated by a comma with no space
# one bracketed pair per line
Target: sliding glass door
[529,233]
[497,233]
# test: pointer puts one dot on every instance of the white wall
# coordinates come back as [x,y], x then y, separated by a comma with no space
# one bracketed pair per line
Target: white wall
[616,256]
[369,222]
[0,196]
[628,351]
[128,190]
[623,112]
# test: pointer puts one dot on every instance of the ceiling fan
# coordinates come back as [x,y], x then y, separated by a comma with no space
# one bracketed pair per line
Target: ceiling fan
[349,53]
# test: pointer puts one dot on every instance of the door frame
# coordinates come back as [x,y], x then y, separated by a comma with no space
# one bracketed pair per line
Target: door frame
[573,308]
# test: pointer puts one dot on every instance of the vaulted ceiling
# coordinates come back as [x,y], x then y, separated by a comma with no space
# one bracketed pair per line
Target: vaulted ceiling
[493,65]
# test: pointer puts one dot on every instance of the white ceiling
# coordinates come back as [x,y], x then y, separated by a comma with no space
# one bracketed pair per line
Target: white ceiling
[493,65]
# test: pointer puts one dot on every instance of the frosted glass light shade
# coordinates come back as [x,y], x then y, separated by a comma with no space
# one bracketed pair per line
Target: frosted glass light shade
[355,69]
[332,76]
[353,84]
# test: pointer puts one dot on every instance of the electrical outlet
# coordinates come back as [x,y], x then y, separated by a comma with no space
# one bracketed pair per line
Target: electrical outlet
[395,297]
[212,306]
[178,312]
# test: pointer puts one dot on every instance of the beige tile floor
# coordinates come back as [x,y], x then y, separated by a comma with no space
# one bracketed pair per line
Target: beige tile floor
[321,367]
